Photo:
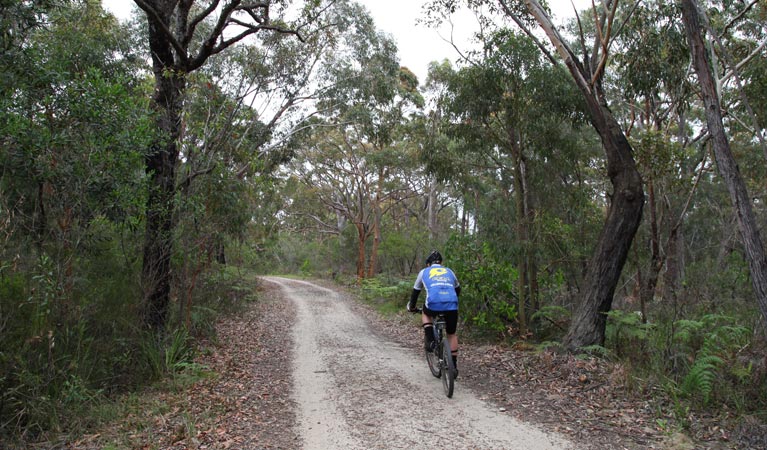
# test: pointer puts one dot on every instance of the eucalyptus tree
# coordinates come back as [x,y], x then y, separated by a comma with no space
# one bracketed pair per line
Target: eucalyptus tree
[510,109]
[728,168]
[452,173]
[654,75]
[651,82]
[369,100]
[627,197]
[357,183]
[182,38]
[242,112]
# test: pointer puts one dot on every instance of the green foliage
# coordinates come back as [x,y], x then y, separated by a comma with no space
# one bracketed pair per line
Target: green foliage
[711,334]
[655,52]
[74,124]
[398,252]
[487,285]
[701,378]
[712,344]
[625,330]
[656,156]
[387,295]
[173,353]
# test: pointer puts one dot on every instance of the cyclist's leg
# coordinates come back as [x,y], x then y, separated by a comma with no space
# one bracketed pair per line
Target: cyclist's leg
[451,318]
[453,339]
[428,329]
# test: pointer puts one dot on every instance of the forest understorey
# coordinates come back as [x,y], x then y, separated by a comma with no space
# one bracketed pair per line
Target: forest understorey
[246,402]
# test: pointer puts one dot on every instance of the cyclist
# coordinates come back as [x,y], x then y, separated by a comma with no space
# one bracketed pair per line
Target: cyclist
[442,291]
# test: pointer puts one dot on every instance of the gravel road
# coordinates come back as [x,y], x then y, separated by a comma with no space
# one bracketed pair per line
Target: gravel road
[355,389]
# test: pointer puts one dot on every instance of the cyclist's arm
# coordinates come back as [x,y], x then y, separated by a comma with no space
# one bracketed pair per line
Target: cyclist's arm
[417,287]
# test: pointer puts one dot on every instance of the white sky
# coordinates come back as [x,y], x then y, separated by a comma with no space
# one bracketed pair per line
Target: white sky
[418,44]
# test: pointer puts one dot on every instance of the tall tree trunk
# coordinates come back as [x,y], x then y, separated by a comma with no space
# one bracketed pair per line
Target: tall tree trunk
[431,215]
[625,210]
[170,35]
[623,218]
[373,265]
[464,217]
[377,216]
[674,272]
[650,282]
[160,166]
[523,234]
[725,161]
[361,238]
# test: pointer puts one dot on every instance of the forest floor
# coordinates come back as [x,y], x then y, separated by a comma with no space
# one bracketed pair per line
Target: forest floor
[250,398]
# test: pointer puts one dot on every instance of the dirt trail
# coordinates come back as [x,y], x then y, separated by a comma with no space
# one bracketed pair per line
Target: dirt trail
[356,389]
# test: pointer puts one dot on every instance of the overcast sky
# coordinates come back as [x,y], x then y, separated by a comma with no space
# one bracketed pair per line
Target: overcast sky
[418,44]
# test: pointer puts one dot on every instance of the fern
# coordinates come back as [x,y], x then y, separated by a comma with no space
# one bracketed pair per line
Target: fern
[725,339]
[701,378]
[593,351]
[711,335]
[628,325]
[713,342]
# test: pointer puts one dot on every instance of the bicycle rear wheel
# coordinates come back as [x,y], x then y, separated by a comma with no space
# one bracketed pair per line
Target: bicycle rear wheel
[433,357]
[448,369]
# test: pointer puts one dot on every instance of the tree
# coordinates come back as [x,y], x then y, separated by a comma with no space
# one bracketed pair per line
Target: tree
[728,168]
[358,183]
[651,77]
[368,102]
[501,109]
[180,43]
[68,159]
[627,198]
[73,127]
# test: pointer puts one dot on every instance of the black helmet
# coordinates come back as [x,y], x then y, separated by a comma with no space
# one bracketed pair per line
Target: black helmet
[435,257]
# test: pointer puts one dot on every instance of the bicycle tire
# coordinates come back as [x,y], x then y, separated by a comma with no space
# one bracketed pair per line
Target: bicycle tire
[432,357]
[448,369]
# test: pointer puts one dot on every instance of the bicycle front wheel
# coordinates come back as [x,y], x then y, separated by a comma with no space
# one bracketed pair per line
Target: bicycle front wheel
[448,369]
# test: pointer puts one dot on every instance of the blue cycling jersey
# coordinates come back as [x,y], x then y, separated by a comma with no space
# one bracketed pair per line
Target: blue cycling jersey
[440,283]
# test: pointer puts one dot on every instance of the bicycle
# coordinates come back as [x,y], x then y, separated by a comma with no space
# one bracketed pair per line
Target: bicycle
[440,359]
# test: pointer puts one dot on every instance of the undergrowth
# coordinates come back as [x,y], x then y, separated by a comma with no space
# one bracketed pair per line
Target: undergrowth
[64,364]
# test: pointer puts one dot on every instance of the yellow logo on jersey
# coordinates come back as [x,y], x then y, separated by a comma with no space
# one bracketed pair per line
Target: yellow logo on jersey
[437,271]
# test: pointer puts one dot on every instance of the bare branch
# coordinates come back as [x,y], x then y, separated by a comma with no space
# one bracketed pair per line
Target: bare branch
[158,20]
[576,69]
[528,32]
[605,43]
[757,51]
[197,20]
[736,18]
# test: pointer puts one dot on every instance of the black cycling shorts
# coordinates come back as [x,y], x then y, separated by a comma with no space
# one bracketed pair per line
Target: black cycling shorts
[451,318]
